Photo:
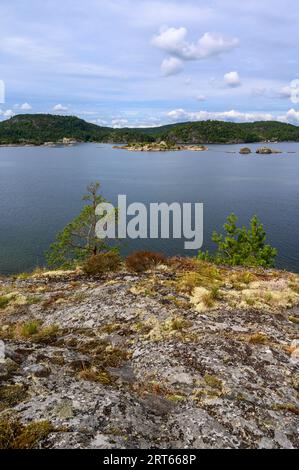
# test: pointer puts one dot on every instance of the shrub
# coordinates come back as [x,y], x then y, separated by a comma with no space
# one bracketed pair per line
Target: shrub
[144,260]
[102,263]
[241,246]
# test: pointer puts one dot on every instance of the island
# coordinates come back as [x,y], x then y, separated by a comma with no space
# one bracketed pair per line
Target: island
[261,151]
[267,151]
[160,147]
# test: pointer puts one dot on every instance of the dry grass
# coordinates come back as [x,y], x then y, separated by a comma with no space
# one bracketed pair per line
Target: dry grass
[144,261]
[258,338]
[15,435]
[92,374]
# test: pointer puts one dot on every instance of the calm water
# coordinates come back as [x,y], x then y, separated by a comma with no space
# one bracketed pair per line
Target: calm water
[41,189]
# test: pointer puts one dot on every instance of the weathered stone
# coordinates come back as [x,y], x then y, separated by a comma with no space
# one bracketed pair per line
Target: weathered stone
[135,364]
[38,370]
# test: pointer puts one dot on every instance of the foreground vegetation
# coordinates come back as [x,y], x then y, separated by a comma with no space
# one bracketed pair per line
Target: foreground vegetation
[40,128]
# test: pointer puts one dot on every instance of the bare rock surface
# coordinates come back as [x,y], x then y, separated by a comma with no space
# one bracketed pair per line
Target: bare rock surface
[130,361]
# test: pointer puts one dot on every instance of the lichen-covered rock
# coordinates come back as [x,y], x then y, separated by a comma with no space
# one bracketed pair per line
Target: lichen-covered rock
[151,360]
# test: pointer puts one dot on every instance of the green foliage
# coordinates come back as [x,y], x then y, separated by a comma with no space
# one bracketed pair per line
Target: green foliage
[40,128]
[78,240]
[102,263]
[241,246]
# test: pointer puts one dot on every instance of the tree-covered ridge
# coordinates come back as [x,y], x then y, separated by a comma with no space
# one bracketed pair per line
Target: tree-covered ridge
[41,128]
[205,132]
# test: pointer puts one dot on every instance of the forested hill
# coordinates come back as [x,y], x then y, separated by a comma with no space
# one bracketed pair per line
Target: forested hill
[41,128]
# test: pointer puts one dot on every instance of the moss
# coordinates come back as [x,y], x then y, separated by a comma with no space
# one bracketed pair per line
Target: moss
[32,330]
[208,300]
[47,334]
[268,297]
[179,303]
[32,300]
[215,293]
[173,327]
[176,323]
[11,395]
[15,435]
[4,301]
[114,431]
[24,276]
[206,275]
[94,375]
[286,407]
[176,398]
[250,301]
[110,328]
[241,278]
[294,286]
[258,338]
[212,381]
[28,329]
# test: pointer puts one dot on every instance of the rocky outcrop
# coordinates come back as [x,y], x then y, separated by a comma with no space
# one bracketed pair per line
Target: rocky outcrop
[267,151]
[159,359]
[160,147]
[245,151]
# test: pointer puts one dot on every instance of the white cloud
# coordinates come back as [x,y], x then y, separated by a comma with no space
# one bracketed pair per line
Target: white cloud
[171,66]
[232,115]
[60,108]
[173,41]
[292,116]
[290,92]
[25,107]
[232,79]
[8,113]
[119,122]
[176,115]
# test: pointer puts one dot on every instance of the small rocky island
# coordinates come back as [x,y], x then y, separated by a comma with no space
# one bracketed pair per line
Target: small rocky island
[261,151]
[267,151]
[160,147]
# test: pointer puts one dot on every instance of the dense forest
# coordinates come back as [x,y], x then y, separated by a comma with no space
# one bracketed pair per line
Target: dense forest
[40,128]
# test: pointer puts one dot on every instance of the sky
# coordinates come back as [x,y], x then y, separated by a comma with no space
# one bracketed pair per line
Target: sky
[135,63]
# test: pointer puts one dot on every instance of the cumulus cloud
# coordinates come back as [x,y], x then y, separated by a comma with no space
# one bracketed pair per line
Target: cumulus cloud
[290,91]
[232,115]
[174,42]
[176,115]
[60,108]
[25,107]
[8,113]
[292,116]
[171,66]
[201,98]
[232,79]
[117,123]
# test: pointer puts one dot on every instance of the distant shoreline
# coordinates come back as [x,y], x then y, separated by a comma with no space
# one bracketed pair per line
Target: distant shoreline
[129,146]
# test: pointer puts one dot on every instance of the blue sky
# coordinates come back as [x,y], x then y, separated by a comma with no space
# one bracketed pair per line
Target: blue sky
[145,63]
